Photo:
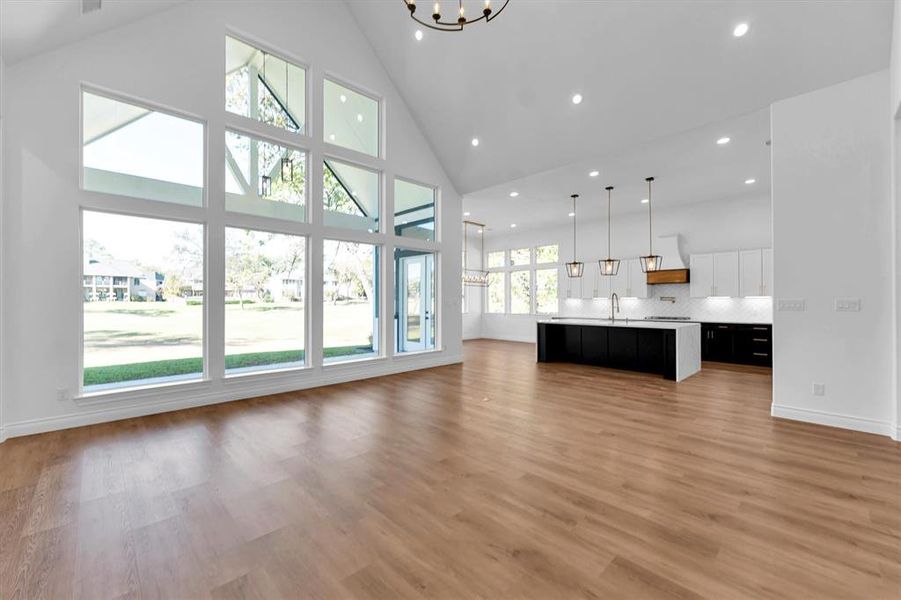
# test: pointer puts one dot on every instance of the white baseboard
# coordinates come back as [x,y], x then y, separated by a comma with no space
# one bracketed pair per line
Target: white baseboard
[228,391]
[836,420]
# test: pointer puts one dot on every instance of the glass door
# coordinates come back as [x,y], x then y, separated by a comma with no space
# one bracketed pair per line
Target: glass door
[415,302]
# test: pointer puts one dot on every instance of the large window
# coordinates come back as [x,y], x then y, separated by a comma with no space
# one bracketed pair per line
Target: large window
[265,300]
[546,291]
[415,300]
[262,178]
[351,119]
[414,210]
[350,312]
[546,254]
[350,196]
[520,292]
[143,300]
[497,292]
[496,259]
[264,87]
[134,151]
[520,257]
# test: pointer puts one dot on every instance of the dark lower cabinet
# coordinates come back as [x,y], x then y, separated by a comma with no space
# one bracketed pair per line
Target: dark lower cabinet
[647,350]
[622,348]
[594,345]
[740,344]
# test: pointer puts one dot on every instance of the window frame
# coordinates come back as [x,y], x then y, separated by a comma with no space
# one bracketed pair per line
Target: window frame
[307,154]
[288,57]
[151,106]
[331,147]
[436,194]
[532,267]
[205,318]
[381,201]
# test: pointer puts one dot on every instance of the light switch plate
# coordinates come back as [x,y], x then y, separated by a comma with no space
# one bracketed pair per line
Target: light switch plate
[847,305]
[791,304]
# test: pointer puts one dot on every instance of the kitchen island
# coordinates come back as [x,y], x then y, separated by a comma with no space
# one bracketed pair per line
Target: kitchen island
[669,349]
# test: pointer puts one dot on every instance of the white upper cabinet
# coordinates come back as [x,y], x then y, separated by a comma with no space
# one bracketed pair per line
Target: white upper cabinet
[725,274]
[602,282]
[638,279]
[757,272]
[701,275]
[767,271]
[714,274]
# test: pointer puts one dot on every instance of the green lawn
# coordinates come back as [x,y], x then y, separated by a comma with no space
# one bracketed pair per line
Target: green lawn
[188,366]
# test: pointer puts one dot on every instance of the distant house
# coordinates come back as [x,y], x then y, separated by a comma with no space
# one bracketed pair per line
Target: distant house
[119,281]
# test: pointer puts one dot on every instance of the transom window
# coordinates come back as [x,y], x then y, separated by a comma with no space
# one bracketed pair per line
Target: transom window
[136,151]
[264,87]
[351,119]
[264,178]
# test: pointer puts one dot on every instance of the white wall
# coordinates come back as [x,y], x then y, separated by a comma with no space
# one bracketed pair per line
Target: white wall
[172,59]
[832,238]
[727,224]
[472,318]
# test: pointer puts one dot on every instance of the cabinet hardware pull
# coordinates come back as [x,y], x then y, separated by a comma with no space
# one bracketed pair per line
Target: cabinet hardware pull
[761,340]
[761,354]
[723,326]
[761,328]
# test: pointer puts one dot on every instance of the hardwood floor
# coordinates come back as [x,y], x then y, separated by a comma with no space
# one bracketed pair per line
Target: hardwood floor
[500,478]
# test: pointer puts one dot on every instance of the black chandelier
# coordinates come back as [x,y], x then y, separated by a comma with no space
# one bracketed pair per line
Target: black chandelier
[487,15]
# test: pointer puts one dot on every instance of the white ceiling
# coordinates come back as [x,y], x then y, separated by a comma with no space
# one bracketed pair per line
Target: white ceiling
[28,27]
[645,68]
[688,167]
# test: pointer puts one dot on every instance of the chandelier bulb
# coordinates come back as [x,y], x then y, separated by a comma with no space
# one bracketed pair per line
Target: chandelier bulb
[436,11]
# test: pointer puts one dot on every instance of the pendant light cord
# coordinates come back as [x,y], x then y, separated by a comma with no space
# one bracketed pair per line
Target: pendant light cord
[609,210]
[650,220]
[574,196]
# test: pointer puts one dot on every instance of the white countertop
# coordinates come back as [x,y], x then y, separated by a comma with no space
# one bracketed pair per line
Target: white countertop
[639,324]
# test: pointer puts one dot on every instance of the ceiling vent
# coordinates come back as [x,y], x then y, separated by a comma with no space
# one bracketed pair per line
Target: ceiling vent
[89,6]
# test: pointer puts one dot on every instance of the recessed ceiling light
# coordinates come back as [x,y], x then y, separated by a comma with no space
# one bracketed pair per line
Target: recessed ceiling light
[740,30]
[466,214]
[644,200]
[418,35]
[750,181]
[577,98]
[359,118]
[572,214]
[512,225]
[594,173]
[475,141]
[514,194]
[342,98]
[723,141]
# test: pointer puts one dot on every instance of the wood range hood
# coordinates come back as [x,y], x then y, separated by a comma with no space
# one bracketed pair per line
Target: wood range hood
[668,276]
[668,247]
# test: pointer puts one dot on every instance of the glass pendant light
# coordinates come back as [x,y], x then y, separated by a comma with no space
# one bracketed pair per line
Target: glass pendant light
[574,268]
[287,169]
[265,186]
[609,266]
[651,262]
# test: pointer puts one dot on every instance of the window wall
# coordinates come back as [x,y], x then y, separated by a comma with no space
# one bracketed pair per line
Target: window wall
[523,281]
[158,236]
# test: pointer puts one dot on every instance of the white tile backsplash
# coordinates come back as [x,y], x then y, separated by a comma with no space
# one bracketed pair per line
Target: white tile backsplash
[713,310]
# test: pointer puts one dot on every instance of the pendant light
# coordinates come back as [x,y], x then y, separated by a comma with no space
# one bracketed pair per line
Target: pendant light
[609,266]
[574,268]
[651,262]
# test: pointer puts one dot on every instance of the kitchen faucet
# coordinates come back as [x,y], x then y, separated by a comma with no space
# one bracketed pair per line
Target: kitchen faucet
[614,303]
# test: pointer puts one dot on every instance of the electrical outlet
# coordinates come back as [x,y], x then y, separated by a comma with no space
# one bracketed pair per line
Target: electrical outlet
[791,304]
[62,394]
[819,389]
[847,305]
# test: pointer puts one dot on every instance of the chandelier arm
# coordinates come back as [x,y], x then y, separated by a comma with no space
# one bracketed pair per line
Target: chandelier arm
[454,25]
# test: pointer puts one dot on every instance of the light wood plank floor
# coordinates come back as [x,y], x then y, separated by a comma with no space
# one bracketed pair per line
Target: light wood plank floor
[500,478]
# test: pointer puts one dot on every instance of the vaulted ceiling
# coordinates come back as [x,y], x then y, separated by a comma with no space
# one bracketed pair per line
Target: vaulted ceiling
[646,70]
